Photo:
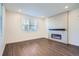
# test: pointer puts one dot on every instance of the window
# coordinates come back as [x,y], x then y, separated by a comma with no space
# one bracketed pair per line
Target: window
[29,25]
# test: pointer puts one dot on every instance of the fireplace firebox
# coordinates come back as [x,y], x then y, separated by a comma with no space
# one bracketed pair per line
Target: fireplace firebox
[56,36]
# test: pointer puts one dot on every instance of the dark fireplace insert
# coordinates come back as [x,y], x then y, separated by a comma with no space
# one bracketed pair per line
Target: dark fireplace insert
[56,36]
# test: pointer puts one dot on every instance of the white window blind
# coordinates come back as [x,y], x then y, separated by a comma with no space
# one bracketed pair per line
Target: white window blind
[29,24]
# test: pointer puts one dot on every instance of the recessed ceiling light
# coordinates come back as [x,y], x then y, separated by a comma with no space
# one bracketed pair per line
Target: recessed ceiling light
[42,16]
[66,7]
[19,10]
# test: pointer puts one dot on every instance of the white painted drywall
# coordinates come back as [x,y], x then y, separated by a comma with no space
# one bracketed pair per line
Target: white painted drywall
[74,27]
[58,21]
[14,31]
[2,39]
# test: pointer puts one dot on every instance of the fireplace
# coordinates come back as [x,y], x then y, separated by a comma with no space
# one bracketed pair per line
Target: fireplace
[56,36]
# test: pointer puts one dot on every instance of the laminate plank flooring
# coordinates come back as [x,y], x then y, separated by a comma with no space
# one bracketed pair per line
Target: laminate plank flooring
[40,47]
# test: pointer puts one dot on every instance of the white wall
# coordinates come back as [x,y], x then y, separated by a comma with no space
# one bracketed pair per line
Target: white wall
[2,39]
[58,21]
[14,32]
[74,27]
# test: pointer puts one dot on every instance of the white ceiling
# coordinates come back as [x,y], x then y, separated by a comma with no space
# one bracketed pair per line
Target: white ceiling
[41,9]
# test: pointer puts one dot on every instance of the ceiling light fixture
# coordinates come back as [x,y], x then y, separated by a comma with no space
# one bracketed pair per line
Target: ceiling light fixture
[66,7]
[42,16]
[19,10]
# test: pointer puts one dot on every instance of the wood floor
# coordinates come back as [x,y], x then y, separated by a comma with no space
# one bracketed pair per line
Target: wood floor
[40,47]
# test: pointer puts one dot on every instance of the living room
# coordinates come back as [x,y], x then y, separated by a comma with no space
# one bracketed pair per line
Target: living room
[29,29]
